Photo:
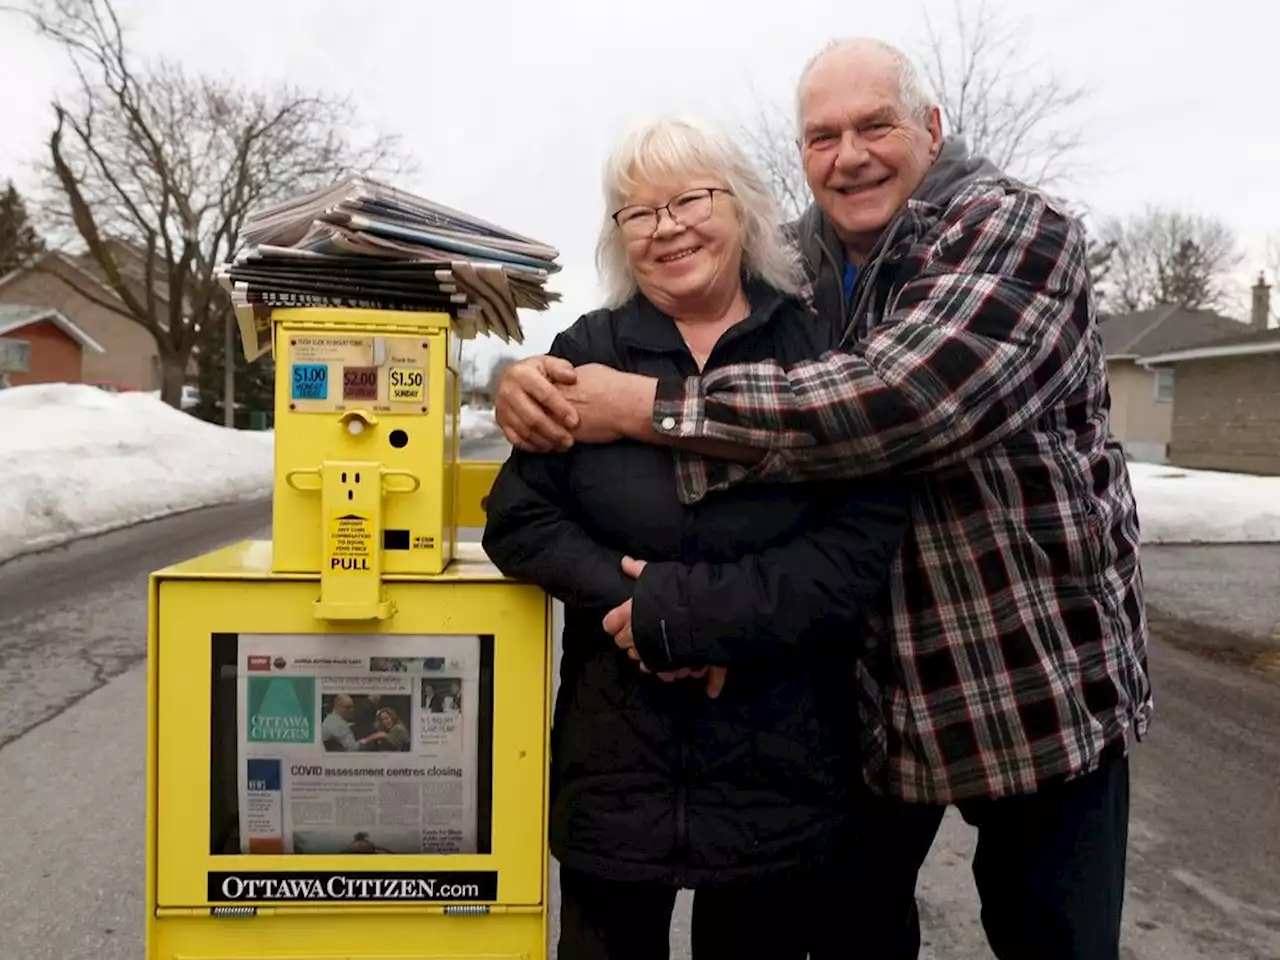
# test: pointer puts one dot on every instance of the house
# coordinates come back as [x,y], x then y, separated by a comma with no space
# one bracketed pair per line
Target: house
[57,345]
[1226,397]
[66,284]
[1142,398]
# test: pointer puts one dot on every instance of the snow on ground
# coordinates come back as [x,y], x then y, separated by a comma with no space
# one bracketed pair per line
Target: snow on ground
[75,460]
[1201,506]
[476,423]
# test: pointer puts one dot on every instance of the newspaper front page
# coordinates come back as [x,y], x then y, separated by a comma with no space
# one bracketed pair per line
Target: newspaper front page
[358,744]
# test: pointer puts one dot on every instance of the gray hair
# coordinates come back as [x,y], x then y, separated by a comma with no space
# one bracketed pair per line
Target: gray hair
[915,98]
[678,146]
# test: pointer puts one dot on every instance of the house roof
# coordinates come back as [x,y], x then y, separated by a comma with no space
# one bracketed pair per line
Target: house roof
[86,267]
[56,256]
[1240,345]
[16,316]
[1130,336]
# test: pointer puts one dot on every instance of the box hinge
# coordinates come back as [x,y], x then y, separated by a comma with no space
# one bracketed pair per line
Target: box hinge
[467,910]
[233,911]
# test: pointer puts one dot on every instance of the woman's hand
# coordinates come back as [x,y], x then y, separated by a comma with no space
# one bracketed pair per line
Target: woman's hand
[617,623]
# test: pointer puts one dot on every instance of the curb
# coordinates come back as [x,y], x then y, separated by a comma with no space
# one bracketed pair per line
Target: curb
[89,534]
[1255,654]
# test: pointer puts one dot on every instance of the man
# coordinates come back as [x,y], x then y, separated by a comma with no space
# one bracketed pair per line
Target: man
[1007,675]
[336,729]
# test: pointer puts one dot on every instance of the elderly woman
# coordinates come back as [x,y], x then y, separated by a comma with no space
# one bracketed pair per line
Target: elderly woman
[661,781]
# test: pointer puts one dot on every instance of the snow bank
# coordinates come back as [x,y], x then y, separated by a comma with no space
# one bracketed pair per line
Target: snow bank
[1201,506]
[76,460]
[476,423]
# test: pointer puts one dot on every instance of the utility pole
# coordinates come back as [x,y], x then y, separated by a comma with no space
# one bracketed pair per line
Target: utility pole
[229,371]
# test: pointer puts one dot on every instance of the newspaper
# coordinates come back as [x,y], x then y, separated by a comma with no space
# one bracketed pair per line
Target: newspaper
[357,227]
[357,744]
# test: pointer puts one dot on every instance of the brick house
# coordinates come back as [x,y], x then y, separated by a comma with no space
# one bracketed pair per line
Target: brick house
[70,285]
[58,346]
[1226,397]
[1141,398]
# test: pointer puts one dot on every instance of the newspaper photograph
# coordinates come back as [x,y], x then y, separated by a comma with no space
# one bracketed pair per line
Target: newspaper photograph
[358,744]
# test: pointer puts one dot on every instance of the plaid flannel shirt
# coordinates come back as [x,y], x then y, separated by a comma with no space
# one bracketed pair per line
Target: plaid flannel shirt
[1010,649]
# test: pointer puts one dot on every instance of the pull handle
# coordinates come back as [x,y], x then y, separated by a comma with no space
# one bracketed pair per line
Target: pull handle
[409,475]
[291,476]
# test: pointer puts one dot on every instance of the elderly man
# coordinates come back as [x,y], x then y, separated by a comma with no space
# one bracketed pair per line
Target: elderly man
[1009,676]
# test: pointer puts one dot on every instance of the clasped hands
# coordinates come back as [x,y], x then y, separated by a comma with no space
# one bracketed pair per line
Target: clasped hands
[617,623]
[546,404]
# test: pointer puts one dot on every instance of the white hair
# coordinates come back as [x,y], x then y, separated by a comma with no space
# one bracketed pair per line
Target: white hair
[911,91]
[675,147]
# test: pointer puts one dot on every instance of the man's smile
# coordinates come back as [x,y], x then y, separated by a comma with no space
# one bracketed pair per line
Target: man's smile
[852,189]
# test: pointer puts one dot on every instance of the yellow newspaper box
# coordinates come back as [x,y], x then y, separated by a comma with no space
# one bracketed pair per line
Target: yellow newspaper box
[347,736]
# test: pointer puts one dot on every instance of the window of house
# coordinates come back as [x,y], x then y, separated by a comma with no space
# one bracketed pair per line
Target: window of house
[1164,386]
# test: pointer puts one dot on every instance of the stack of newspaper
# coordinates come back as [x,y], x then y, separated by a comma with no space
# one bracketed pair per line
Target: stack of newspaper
[361,243]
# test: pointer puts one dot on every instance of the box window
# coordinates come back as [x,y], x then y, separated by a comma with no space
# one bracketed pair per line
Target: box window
[331,744]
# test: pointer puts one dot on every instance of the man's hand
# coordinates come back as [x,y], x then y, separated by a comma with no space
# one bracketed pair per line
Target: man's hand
[610,404]
[617,623]
[529,407]
[544,404]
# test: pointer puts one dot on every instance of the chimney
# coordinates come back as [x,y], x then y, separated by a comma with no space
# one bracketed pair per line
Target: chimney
[1261,303]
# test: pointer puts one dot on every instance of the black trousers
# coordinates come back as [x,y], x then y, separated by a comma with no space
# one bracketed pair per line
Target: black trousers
[608,920]
[1049,868]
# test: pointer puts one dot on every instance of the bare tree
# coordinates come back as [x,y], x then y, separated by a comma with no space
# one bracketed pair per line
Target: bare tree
[770,140]
[991,93]
[988,91]
[1164,256]
[155,171]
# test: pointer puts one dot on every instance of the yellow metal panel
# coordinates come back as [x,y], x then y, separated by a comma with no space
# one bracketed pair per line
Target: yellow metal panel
[339,936]
[351,499]
[369,494]
[191,611]
[372,386]
[153,711]
[251,560]
[475,480]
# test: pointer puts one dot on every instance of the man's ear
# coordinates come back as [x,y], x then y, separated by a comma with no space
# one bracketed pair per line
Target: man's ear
[933,124]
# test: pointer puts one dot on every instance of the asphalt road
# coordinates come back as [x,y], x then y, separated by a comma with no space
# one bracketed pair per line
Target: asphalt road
[1204,880]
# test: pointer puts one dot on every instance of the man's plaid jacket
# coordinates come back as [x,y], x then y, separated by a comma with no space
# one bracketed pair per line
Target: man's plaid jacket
[1010,649]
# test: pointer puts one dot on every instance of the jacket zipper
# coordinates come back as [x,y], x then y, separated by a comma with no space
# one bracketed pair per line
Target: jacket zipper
[684,727]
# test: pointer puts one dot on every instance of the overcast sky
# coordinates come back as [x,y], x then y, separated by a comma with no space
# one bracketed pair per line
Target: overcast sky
[510,106]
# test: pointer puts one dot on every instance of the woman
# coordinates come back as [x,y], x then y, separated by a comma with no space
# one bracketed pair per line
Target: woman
[397,735]
[739,793]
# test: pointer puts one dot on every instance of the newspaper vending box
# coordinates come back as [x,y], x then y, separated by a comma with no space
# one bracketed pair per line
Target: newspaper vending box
[347,728]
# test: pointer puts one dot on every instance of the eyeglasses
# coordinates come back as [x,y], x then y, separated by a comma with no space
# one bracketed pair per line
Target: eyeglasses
[689,209]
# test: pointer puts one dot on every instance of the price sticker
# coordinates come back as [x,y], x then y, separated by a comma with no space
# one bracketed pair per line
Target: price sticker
[310,381]
[360,383]
[407,384]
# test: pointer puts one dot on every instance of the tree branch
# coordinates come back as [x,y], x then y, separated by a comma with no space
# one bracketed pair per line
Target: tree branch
[158,165]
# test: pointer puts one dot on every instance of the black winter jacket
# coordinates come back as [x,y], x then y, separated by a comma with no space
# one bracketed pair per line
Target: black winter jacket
[654,781]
